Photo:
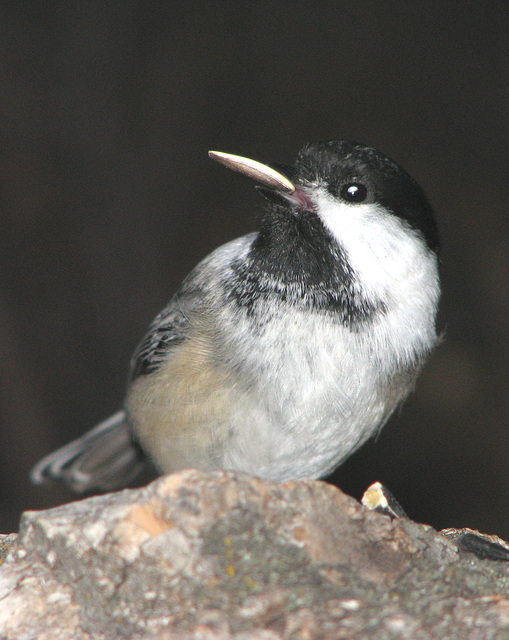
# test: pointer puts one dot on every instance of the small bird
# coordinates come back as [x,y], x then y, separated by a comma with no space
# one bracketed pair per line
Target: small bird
[286,349]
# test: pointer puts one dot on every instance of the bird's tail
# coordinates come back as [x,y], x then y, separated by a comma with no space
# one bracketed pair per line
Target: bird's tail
[104,459]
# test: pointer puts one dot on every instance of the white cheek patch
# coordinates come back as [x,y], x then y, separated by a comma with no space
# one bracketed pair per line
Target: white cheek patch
[391,264]
[381,250]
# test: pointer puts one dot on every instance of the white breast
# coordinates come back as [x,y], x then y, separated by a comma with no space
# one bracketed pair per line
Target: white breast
[322,396]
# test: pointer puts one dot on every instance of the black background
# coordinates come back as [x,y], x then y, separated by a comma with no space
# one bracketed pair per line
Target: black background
[107,199]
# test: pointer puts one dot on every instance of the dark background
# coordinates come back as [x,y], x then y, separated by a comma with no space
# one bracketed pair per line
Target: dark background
[107,199]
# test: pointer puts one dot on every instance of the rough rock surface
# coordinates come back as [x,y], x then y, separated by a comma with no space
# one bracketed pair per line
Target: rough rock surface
[226,555]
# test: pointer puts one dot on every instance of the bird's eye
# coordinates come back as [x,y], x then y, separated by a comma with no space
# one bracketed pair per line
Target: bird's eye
[354,192]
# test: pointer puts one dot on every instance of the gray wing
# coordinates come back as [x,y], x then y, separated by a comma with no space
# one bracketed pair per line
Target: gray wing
[169,328]
[108,457]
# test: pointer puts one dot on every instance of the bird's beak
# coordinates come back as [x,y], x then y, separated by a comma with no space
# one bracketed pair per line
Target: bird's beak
[268,177]
[261,172]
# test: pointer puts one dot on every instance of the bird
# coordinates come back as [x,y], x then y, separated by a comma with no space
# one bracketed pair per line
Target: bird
[284,350]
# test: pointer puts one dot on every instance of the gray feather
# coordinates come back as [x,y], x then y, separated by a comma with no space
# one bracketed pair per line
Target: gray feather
[104,459]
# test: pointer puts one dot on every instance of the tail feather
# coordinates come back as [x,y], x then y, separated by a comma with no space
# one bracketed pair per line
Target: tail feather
[104,459]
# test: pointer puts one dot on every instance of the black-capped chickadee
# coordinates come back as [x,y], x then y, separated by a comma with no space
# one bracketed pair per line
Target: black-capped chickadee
[286,349]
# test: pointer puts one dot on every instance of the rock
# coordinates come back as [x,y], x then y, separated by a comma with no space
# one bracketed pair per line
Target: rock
[7,542]
[226,555]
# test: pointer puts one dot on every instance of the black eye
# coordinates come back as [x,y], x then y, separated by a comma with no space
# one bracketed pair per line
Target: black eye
[354,192]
